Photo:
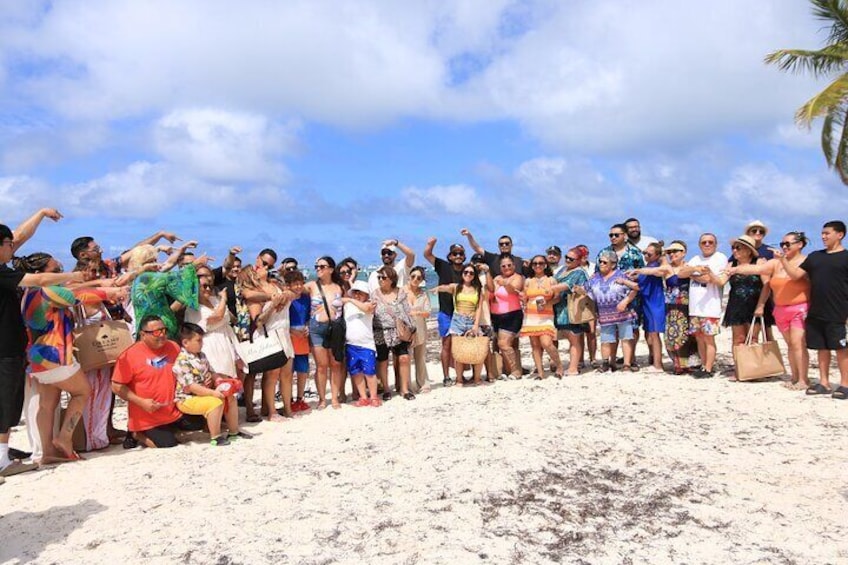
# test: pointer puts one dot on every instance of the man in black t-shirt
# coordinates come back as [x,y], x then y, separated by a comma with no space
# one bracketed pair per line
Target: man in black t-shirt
[493,260]
[449,271]
[828,313]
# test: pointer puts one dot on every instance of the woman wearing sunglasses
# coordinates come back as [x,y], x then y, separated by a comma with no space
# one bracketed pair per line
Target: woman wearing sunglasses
[678,342]
[419,310]
[538,325]
[745,290]
[573,275]
[613,294]
[391,311]
[325,289]
[791,303]
[468,298]
[507,316]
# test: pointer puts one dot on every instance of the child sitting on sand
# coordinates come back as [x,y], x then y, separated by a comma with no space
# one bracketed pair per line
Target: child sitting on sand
[195,393]
[360,350]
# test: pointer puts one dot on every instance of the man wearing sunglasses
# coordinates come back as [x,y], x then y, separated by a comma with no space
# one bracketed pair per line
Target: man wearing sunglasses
[449,272]
[493,260]
[85,248]
[143,377]
[705,286]
[388,256]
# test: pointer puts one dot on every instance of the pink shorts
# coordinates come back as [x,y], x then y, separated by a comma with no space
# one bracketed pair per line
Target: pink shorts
[792,316]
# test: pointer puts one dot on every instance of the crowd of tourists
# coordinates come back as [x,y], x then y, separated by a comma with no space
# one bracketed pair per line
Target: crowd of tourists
[202,335]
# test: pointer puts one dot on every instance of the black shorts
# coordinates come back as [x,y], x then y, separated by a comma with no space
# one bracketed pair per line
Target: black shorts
[162,436]
[509,322]
[400,349]
[824,335]
[12,385]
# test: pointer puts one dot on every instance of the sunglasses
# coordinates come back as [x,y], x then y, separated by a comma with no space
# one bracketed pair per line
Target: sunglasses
[344,272]
[386,252]
[321,267]
[507,266]
[706,243]
[539,264]
[468,272]
[570,259]
[457,253]
[757,230]
[382,277]
[603,262]
[736,247]
[616,235]
[787,244]
[416,277]
[504,244]
[291,268]
[158,332]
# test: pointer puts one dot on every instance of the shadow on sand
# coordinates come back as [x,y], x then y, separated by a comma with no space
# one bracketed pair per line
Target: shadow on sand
[27,534]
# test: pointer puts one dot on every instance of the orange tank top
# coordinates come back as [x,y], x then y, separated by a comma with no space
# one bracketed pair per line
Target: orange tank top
[787,292]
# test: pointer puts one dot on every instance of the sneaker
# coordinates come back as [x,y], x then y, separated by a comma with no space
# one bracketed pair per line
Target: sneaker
[219,441]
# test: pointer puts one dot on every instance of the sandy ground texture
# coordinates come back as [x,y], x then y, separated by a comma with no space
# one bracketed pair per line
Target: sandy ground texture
[616,468]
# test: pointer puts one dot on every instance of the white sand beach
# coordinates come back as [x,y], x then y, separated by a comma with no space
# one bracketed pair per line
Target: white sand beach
[616,468]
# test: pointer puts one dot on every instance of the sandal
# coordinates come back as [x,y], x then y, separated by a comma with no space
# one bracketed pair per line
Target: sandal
[219,441]
[409,396]
[841,393]
[253,418]
[362,402]
[376,402]
[818,389]
[631,368]
[241,434]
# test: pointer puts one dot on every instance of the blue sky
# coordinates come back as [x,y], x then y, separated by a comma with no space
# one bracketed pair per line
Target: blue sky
[324,127]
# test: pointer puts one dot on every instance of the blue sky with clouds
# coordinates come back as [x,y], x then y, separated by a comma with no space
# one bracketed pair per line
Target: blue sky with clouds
[325,127]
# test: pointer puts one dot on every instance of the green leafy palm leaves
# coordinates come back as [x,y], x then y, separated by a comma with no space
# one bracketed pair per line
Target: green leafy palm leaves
[832,102]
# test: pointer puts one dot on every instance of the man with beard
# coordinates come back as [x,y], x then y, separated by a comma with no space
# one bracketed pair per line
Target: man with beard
[493,260]
[449,272]
[388,256]
[634,234]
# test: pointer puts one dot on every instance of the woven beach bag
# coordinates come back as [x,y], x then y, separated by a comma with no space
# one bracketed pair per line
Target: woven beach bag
[470,349]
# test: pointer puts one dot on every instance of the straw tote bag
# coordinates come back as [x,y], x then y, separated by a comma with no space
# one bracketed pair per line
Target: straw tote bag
[98,343]
[470,349]
[757,360]
[581,309]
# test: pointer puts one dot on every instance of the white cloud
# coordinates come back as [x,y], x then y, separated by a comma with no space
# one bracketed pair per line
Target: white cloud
[20,196]
[588,75]
[216,145]
[436,201]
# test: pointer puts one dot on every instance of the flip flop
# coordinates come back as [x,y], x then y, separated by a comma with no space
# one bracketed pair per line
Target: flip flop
[817,389]
[16,467]
[841,393]
[253,419]
[18,454]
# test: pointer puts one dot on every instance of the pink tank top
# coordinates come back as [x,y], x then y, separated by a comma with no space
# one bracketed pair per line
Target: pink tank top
[505,302]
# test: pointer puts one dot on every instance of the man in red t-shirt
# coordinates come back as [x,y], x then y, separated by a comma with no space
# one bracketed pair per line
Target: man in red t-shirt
[143,378]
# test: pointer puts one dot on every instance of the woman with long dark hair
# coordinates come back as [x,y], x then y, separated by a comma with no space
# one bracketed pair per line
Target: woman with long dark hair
[468,299]
[325,294]
[538,295]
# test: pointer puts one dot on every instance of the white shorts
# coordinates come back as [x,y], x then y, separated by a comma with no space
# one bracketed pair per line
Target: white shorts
[57,375]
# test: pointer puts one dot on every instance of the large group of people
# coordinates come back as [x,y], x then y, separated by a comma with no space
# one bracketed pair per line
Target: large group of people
[203,335]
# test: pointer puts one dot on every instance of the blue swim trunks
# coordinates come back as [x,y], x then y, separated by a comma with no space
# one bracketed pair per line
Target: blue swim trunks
[444,324]
[301,364]
[361,360]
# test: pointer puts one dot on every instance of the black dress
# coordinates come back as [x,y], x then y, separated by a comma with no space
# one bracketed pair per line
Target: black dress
[742,299]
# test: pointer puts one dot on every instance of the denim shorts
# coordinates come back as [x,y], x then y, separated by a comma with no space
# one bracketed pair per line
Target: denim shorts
[317,332]
[461,324]
[624,330]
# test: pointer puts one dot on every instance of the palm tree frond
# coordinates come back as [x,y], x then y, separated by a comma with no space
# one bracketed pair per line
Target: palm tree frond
[841,162]
[836,13]
[825,102]
[821,62]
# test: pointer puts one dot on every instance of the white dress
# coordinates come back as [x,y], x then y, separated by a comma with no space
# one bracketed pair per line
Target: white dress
[279,322]
[218,340]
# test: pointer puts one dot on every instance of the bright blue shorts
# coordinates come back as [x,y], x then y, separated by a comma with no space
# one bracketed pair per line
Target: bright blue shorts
[444,324]
[361,360]
[301,364]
